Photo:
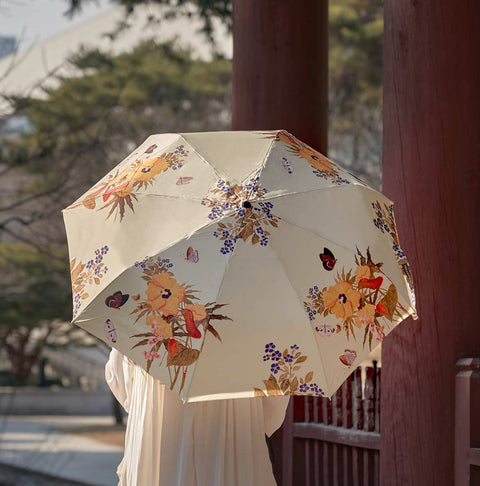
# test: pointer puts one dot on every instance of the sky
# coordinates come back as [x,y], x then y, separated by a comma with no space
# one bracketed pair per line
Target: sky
[33,20]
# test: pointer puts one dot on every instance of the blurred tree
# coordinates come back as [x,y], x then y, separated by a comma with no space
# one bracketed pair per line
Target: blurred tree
[83,127]
[88,123]
[206,10]
[355,93]
[34,299]
[355,72]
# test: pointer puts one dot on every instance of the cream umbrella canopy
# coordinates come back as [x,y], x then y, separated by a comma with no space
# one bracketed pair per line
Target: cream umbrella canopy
[237,264]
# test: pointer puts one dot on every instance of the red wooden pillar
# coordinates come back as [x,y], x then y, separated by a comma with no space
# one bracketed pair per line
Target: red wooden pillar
[431,169]
[280,69]
[280,81]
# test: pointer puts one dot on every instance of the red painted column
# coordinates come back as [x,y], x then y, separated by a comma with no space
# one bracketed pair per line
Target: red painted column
[432,171]
[280,69]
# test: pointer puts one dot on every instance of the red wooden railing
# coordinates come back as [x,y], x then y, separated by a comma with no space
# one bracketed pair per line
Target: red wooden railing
[334,443]
[467,422]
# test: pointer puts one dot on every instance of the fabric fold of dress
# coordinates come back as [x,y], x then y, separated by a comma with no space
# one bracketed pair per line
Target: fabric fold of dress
[214,443]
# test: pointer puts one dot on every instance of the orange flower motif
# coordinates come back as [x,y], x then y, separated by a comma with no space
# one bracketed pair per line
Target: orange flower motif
[160,328]
[314,158]
[363,271]
[164,294]
[365,316]
[198,311]
[123,189]
[148,169]
[341,299]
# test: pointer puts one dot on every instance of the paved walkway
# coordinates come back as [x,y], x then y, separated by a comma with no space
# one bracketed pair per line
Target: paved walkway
[13,476]
[34,443]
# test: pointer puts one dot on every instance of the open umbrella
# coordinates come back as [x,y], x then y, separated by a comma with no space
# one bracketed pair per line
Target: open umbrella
[237,264]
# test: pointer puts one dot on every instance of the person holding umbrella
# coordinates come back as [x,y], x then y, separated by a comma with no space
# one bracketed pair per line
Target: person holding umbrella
[232,267]
[214,443]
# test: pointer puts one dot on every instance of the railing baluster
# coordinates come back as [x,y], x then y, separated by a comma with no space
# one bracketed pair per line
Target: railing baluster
[338,454]
[357,399]
[377,400]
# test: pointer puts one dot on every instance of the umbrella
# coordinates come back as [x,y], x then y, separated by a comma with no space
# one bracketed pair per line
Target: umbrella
[237,264]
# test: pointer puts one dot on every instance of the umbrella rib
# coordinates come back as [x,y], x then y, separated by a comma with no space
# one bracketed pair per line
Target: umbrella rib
[227,267]
[301,303]
[288,221]
[218,173]
[259,170]
[350,186]
[210,223]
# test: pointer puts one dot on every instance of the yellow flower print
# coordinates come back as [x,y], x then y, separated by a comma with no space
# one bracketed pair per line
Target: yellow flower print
[164,294]
[199,311]
[120,185]
[365,316]
[363,271]
[148,169]
[161,329]
[341,299]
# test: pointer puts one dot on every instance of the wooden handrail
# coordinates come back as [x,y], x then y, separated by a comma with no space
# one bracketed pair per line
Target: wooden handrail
[467,377]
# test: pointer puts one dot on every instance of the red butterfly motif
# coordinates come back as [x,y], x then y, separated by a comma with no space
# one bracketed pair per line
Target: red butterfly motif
[328,259]
[116,300]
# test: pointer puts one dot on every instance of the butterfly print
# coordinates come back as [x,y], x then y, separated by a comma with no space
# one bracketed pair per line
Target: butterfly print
[349,357]
[192,255]
[150,149]
[287,165]
[325,330]
[110,331]
[328,259]
[184,180]
[116,300]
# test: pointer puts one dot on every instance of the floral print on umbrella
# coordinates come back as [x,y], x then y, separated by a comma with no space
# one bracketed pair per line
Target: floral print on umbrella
[322,167]
[251,217]
[385,222]
[85,274]
[120,189]
[175,321]
[284,376]
[358,300]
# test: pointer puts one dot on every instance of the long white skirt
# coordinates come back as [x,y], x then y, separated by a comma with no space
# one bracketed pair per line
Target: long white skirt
[216,443]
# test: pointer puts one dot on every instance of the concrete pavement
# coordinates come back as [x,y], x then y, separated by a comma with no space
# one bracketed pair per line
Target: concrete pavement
[35,443]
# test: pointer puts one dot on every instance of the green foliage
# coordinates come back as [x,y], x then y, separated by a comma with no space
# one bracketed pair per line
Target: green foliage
[355,79]
[355,71]
[356,39]
[206,10]
[88,123]
[82,127]
[34,296]
[33,287]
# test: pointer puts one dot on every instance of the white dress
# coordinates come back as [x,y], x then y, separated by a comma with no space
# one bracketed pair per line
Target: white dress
[215,443]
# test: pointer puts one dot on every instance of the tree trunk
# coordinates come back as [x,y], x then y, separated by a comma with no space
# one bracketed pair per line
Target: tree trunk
[431,169]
